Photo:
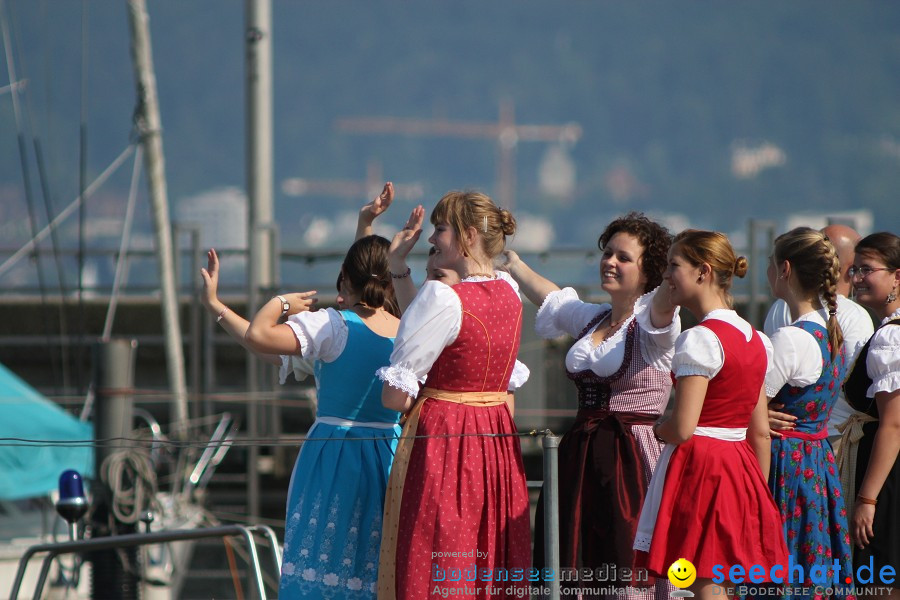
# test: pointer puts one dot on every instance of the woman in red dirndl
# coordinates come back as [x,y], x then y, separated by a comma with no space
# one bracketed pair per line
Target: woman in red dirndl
[709,500]
[456,512]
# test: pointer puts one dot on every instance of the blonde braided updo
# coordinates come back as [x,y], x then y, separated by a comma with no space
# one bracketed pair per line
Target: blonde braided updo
[814,262]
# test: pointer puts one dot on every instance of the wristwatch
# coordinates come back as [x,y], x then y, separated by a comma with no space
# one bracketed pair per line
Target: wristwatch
[285,305]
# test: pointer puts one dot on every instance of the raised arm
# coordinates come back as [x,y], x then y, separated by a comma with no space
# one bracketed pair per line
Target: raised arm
[370,211]
[534,286]
[267,334]
[662,311]
[234,324]
[403,242]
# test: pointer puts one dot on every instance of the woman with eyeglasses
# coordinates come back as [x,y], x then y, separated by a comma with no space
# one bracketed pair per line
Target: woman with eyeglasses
[873,388]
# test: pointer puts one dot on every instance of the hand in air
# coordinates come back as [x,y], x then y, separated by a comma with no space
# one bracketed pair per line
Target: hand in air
[210,275]
[379,204]
[405,239]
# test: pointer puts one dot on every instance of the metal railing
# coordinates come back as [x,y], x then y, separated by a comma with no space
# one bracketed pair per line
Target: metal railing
[54,550]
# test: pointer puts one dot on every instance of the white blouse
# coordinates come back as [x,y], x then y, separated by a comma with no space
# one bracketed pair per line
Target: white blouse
[322,335]
[699,352]
[431,323]
[562,312]
[855,322]
[883,361]
[797,359]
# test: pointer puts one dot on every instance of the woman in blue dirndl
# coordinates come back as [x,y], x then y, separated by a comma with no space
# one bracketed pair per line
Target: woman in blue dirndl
[808,369]
[336,496]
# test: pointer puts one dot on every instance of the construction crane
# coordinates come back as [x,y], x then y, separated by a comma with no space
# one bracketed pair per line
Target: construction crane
[505,132]
[350,188]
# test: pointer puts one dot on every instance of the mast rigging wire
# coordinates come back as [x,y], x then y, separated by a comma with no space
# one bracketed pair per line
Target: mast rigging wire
[80,366]
[26,174]
[29,120]
[64,214]
[121,264]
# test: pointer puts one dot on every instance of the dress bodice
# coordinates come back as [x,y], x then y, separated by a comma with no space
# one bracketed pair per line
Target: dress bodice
[634,386]
[482,356]
[734,392]
[812,404]
[347,386]
[858,382]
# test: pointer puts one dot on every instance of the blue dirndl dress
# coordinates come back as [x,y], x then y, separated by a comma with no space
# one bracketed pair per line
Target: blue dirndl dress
[336,496]
[804,478]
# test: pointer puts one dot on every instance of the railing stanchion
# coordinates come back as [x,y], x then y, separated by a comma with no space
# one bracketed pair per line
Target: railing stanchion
[550,444]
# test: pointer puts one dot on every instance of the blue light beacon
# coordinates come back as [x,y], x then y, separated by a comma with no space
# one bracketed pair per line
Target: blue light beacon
[72,503]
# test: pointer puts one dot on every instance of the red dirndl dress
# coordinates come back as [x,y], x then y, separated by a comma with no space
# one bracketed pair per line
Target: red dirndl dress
[464,504]
[716,508]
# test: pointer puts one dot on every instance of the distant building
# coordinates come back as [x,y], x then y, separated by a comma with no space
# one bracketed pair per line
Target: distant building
[220,213]
[862,220]
[748,160]
[533,234]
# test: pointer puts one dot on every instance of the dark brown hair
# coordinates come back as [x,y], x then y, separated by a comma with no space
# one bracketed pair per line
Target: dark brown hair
[653,238]
[365,271]
[883,245]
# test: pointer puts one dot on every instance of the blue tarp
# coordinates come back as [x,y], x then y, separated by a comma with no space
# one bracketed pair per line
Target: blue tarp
[28,470]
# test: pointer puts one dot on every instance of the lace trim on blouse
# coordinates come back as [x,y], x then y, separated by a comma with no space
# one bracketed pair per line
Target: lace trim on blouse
[401,377]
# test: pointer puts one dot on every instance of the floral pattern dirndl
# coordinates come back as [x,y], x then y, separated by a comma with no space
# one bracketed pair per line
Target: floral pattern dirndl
[803,477]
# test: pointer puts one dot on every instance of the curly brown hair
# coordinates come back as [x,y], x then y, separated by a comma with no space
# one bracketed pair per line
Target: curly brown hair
[653,238]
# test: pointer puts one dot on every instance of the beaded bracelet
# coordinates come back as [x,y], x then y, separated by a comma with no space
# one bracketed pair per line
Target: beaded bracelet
[403,276]
[222,314]
[864,500]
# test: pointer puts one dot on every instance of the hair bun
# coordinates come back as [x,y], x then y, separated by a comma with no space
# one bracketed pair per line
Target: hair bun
[740,266]
[507,222]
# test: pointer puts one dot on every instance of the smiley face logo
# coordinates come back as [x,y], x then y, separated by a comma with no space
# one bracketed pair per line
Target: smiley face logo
[682,573]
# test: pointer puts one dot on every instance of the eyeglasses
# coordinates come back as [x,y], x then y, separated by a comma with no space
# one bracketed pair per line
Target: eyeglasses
[864,271]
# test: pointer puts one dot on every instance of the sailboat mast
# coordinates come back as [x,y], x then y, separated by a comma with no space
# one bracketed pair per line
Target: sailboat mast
[258,17]
[260,228]
[150,129]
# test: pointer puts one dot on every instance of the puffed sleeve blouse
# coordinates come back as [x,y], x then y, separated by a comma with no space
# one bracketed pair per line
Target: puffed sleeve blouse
[562,312]
[322,335]
[796,358]
[883,360]
[431,323]
[699,352]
